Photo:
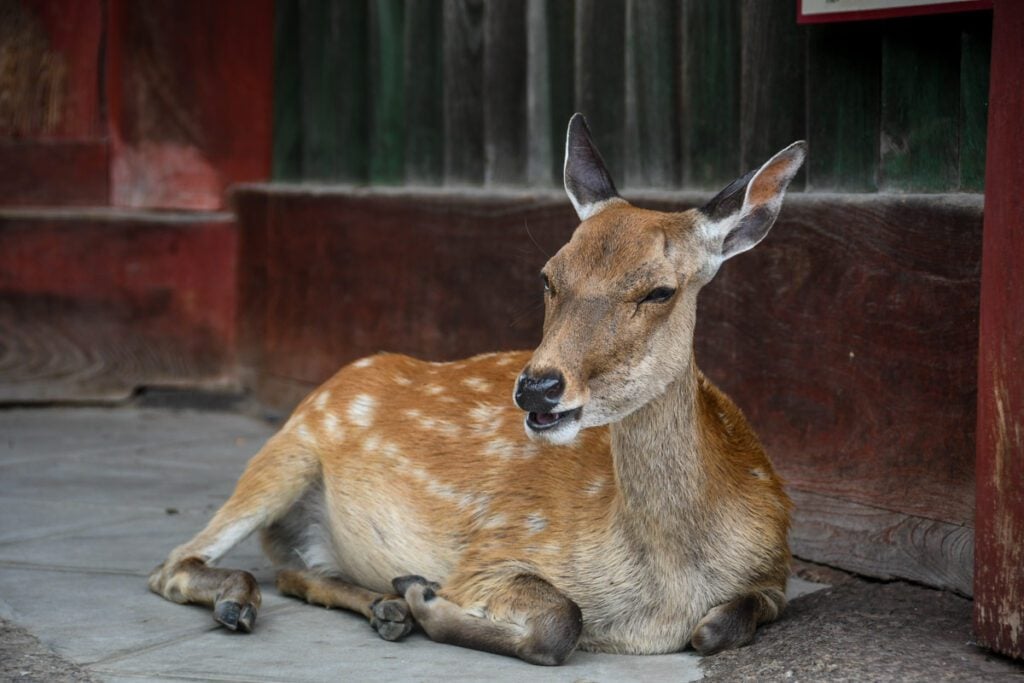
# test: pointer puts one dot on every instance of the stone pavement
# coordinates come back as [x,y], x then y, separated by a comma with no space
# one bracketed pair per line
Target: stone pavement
[92,498]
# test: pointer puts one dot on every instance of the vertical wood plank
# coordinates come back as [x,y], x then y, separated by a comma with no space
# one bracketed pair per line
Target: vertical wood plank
[334,111]
[651,140]
[387,94]
[550,94]
[463,90]
[843,107]
[975,51]
[561,78]
[600,75]
[920,105]
[286,160]
[710,92]
[505,63]
[999,539]
[424,95]
[772,99]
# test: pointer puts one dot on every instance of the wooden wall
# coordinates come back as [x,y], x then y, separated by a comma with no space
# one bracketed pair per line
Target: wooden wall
[678,94]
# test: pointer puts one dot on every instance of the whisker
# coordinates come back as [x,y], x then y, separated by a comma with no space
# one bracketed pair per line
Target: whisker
[535,243]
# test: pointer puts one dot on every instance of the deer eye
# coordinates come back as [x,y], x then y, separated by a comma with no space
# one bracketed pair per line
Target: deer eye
[658,295]
[547,284]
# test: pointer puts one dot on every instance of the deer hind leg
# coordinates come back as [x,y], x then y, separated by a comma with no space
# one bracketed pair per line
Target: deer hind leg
[733,624]
[271,483]
[519,615]
[388,614]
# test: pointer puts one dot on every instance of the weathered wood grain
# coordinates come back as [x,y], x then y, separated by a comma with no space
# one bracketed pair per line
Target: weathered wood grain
[975,52]
[188,86]
[95,303]
[333,54]
[710,92]
[550,89]
[463,91]
[920,105]
[881,543]
[287,151]
[54,173]
[999,580]
[424,93]
[387,92]
[772,81]
[600,63]
[504,111]
[844,64]
[651,135]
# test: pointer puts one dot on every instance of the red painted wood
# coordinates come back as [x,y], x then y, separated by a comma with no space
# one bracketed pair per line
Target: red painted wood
[189,99]
[94,303]
[999,552]
[75,31]
[53,173]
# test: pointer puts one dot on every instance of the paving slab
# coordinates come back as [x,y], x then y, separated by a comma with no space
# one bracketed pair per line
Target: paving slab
[92,499]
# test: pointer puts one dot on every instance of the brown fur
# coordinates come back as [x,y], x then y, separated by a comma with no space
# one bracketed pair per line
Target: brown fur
[659,522]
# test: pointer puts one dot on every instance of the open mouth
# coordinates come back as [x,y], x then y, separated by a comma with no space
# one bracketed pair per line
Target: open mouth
[543,421]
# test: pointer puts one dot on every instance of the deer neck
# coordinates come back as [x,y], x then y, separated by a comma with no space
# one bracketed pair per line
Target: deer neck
[658,456]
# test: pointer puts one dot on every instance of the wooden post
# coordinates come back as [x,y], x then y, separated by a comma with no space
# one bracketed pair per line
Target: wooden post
[999,539]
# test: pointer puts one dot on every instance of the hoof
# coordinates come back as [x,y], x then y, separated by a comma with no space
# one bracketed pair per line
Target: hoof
[391,618]
[235,616]
[404,583]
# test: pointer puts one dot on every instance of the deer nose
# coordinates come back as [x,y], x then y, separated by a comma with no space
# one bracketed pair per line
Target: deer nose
[539,394]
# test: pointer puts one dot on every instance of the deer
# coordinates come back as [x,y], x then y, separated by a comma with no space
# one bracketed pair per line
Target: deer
[598,493]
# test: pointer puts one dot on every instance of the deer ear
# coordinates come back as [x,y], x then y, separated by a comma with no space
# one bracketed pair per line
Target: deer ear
[587,182]
[740,215]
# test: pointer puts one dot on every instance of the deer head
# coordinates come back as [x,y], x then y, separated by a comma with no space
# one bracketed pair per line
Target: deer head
[621,296]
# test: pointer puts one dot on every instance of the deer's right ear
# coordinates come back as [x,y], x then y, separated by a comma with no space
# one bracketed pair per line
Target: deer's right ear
[587,182]
[740,215]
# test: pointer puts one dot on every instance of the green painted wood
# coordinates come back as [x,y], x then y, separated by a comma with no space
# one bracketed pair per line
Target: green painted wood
[387,92]
[504,97]
[286,150]
[843,106]
[772,102]
[424,94]
[463,92]
[651,140]
[710,98]
[334,112]
[920,105]
[561,39]
[975,53]
[600,60]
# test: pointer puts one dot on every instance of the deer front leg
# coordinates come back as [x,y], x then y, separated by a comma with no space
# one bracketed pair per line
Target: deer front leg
[522,616]
[733,624]
[388,614]
[271,483]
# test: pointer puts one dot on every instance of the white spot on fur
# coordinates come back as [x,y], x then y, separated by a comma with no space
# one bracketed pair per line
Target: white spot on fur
[477,384]
[596,486]
[331,427]
[306,436]
[759,473]
[364,362]
[432,389]
[505,360]
[536,523]
[412,414]
[402,380]
[321,401]
[371,444]
[481,413]
[495,522]
[360,411]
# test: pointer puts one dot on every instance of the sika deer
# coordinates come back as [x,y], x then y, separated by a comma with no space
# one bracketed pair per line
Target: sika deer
[636,513]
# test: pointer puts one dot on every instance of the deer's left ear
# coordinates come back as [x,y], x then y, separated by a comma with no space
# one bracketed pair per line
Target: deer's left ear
[742,214]
[587,181]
